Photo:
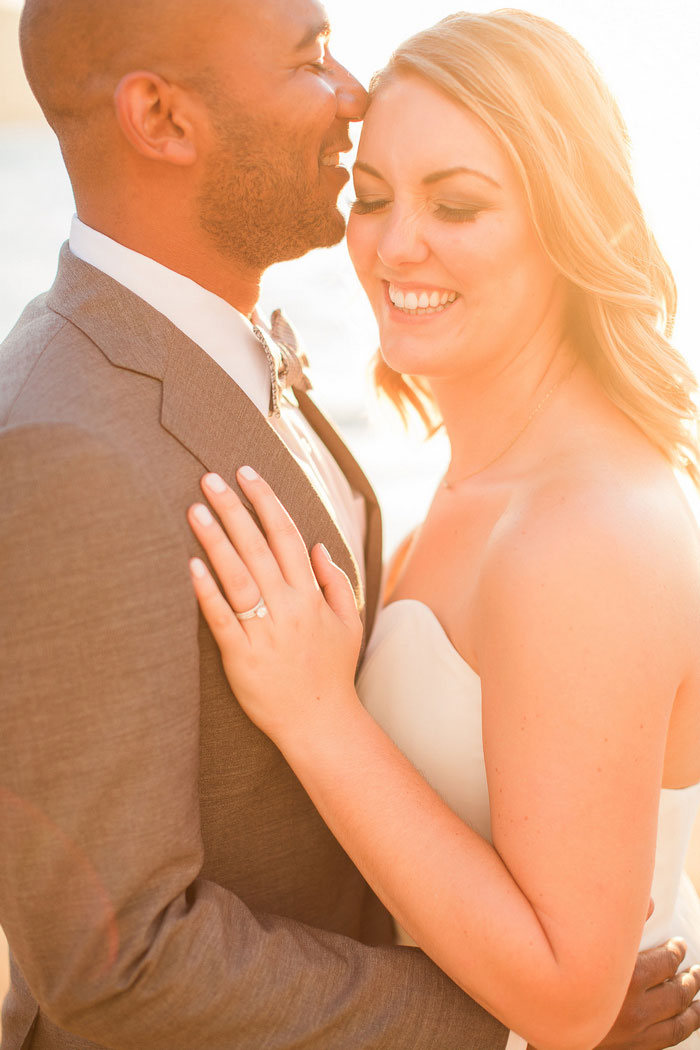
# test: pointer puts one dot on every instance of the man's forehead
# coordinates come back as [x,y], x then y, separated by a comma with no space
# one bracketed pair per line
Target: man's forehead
[296,24]
[318,29]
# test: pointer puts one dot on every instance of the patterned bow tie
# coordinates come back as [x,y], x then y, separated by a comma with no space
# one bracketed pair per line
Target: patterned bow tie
[287,370]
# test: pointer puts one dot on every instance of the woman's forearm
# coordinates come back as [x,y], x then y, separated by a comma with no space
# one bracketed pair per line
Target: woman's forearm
[447,886]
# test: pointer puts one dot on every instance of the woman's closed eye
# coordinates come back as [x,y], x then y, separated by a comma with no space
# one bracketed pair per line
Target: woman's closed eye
[366,207]
[445,212]
[457,213]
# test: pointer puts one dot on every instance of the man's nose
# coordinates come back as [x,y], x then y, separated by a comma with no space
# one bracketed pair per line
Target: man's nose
[352,97]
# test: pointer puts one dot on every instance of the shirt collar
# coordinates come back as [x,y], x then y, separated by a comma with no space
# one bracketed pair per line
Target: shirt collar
[223,332]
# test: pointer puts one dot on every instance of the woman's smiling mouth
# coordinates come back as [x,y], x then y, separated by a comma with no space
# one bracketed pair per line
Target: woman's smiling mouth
[417,301]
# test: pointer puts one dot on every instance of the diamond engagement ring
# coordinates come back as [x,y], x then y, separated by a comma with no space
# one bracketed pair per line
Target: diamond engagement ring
[257,612]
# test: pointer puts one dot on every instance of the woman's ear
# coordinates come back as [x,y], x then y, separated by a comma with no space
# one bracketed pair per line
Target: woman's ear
[157,118]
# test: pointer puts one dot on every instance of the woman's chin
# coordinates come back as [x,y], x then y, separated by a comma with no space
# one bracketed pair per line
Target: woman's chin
[403,357]
[406,364]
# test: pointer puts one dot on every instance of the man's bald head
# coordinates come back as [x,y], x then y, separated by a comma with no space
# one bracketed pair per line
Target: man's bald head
[75,52]
[202,133]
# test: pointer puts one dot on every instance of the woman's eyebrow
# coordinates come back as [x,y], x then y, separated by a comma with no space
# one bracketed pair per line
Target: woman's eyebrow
[437,176]
[434,176]
[368,169]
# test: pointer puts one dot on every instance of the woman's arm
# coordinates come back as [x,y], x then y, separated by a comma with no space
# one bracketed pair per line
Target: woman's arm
[578,684]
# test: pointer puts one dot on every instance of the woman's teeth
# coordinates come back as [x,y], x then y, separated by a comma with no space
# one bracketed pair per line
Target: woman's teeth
[421,302]
[331,160]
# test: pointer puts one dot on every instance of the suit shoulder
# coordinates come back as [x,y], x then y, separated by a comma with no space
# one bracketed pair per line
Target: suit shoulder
[52,371]
[63,481]
[60,454]
[37,330]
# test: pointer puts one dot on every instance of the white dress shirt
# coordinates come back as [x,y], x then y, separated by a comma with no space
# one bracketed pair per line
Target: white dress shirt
[227,336]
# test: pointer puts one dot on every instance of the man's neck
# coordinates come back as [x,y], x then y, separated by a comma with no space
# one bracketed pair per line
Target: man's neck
[191,256]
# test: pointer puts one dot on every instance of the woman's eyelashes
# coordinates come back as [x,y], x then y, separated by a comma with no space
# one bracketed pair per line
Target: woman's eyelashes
[450,213]
[444,212]
[360,207]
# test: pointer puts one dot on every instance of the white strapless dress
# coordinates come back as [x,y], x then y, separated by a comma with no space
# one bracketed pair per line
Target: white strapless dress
[428,700]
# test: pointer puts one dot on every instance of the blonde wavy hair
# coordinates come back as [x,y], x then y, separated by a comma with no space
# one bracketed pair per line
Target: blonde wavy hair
[540,94]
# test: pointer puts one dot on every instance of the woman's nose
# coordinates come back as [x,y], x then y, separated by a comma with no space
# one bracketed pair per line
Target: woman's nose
[401,240]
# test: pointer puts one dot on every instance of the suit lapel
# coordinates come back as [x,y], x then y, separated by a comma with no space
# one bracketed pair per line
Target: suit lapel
[234,434]
[202,407]
[359,481]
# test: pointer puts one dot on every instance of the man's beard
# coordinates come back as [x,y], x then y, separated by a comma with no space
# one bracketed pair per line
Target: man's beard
[261,208]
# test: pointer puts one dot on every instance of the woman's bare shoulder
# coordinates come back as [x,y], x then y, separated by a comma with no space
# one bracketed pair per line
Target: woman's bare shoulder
[631,537]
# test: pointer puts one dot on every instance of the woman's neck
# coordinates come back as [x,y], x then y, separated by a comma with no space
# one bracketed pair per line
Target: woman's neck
[488,411]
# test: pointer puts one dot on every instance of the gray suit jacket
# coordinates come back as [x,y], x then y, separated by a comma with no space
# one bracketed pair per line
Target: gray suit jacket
[165,883]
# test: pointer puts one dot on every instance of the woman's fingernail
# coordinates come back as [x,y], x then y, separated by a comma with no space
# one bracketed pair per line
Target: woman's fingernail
[325,551]
[198,568]
[202,515]
[215,483]
[248,473]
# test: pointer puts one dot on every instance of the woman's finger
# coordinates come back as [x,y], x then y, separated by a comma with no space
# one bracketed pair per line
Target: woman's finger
[245,536]
[239,586]
[335,585]
[227,630]
[282,534]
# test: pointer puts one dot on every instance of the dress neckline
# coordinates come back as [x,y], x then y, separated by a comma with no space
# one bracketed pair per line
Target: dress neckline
[431,615]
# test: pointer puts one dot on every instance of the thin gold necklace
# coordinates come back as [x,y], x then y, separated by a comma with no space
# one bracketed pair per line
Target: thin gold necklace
[536,410]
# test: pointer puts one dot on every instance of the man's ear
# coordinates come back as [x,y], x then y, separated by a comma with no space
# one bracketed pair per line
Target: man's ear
[157,118]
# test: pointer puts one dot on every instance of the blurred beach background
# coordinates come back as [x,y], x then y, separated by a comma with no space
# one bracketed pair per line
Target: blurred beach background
[648,52]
